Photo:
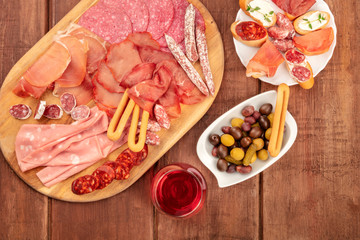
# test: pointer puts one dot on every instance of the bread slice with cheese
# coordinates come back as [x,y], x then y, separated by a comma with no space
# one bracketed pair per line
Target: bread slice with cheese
[259,10]
[311,21]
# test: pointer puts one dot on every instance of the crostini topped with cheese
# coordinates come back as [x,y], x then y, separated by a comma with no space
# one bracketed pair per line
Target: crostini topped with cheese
[260,10]
[311,21]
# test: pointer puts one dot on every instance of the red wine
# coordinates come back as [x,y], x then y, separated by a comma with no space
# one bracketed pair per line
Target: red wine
[179,192]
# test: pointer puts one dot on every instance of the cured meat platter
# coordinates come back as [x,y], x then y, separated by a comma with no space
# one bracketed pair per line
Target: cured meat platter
[9,127]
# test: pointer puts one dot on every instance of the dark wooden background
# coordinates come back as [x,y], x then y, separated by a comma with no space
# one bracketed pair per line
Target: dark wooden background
[311,193]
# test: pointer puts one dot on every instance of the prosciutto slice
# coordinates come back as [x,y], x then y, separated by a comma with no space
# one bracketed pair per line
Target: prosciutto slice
[295,7]
[139,73]
[143,39]
[25,89]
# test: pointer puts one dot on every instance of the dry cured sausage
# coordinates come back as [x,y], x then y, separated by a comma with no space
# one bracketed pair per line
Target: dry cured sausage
[190,44]
[80,112]
[40,109]
[68,102]
[284,44]
[53,111]
[161,116]
[85,184]
[105,174]
[20,111]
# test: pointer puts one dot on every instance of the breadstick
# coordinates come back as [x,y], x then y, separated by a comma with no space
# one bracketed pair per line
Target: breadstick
[279,120]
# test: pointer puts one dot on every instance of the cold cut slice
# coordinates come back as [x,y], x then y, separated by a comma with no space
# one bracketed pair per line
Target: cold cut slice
[161,116]
[106,79]
[105,97]
[143,39]
[105,174]
[190,42]
[122,58]
[171,103]
[151,55]
[295,57]
[53,111]
[80,112]
[161,17]
[40,109]
[176,30]
[141,72]
[20,111]
[152,138]
[301,73]
[68,102]
[25,89]
[85,184]
[137,12]
[283,45]
[186,65]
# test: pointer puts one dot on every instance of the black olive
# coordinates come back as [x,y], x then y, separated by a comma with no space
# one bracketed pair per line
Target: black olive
[214,139]
[266,109]
[222,165]
[255,132]
[222,151]
[236,132]
[264,122]
[245,142]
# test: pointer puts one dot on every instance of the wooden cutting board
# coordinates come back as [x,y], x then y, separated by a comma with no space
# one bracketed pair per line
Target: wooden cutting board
[9,126]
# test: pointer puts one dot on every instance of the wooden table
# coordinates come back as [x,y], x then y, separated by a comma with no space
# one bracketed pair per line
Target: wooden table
[311,193]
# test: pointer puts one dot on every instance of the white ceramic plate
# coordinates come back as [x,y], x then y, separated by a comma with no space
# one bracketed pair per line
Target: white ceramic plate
[204,147]
[282,75]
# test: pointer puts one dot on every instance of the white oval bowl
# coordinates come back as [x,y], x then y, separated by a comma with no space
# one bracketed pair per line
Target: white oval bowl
[204,147]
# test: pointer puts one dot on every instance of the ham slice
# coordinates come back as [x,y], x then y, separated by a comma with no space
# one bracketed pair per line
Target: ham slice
[139,73]
[83,93]
[148,54]
[122,58]
[76,70]
[105,97]
[25,89]
[295,7]
[265,62]
[49,67]
[106,78]
[143,39]
[146,93]
[38,144]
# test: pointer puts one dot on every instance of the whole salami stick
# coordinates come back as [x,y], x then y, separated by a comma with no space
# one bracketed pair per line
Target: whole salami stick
[204,58]
[190,45]
[186,65]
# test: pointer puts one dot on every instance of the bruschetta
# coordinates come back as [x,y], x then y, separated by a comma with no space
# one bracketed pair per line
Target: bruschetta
[249,33]
[259,10]
[311,21]
[299,68]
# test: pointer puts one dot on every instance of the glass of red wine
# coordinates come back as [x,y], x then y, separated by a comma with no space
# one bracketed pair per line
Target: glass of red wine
[178,190]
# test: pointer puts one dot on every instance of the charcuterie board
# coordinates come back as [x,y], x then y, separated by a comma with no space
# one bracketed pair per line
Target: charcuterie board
[9,126]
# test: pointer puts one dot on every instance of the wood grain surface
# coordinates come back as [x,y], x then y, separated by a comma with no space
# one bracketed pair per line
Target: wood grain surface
[9,127]
[311,193]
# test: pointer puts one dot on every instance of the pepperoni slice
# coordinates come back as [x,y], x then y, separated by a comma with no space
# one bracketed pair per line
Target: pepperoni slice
[20,111]
[116,167]
[141,156]
[68,102]
[301,73]
[294,56]
[84,184]
[80,112]
[105,174]
[250,31]
[53,111]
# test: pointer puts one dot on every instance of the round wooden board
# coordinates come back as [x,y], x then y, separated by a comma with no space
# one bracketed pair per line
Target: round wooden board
[9,126]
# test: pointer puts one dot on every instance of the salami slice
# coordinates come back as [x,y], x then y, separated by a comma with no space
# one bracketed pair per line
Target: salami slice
[283,45]
[176,30]
[141,156]
[152,126]
[68,102]
[143,39]
[109,23]
[105,174]
[80,112]
[137,12]
[161,17]
[53,111]
[20,111]
[85,184]
[161,116]
[284,22]
[40,109]
[295,57]
[139,73]
[116,167]
[152,138]
[301,73]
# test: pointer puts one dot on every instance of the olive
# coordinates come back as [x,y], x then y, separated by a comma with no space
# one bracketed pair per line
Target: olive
[244,134]
[255,132]
[243,169]
[225,129]
[222,151]
[266,144]
[246,126]
[214,139]
[222,165]
[271,118]
[236,122]
[266,109]
[256,115]
[245,142]
[236,132]
[227,140]
[231,168]
[268,133]
[248,111]
[250,120]
[263,154]
[253,159]
[259,143]
[214,151]
[264,122]
[237,153]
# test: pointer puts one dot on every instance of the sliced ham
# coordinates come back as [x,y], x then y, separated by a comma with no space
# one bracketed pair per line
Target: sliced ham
[143,39]
[105,97]
[266,61]
[141,72]
[122,58]
[25,89]
[49,67]
[76,70]
[295,7]
[146,93]
[148,54]
[106,78]
[83,93]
